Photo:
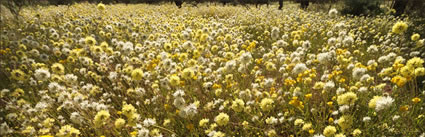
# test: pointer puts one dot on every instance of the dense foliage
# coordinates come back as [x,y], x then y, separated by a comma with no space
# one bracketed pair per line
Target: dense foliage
[362,7]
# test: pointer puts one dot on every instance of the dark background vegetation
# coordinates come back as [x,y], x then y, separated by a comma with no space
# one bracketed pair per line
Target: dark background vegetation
[415,9]
[353,7]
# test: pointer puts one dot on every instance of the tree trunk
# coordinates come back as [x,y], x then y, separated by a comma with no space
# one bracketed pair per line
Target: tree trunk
[280,4]
[304,4]
[178,3]
[399,6]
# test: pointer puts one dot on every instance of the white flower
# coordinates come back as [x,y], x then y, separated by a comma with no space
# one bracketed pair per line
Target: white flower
[76,118]
[179,102]
[300,67]
[372,49]
[422,135]
[179,93]
[366,119]
[364,78]
[70,78]
[384,102]
[275,33]
[335,113]
[344,108]
[340,91]
[271,120]
[329,86]
[189,111]
[5,129]
[324,57]
[54,87]
[149,122]
[358,72]
[318,135]
[396,117]
[348,41]
[42,74]
[143,132]
[281,44]
[333,12]
[362,89]
[268,82]
[246,58]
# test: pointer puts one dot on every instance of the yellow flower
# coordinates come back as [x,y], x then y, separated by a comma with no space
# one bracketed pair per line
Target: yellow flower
[128,110]
[101,117]
[137,74]
[330,120]
[245,124]
[28,130]
[307,126]
[298,122]
[67,131]
[415,37]
[188,73]
[48,122]
[166,122]
[311,131]
[407,71]
[399,27]
[308,96]
[58,68]
[101,6]
[238,105]
[404,108]
[420,71]
[104,45]
[329,131]
[295,102]
[90,41]
[168,46]
[399,80]
[190,126]
[266,104]
[372,102]
[134,133]
[340,135]
[222,119]
[356,132]
[203,122]
[416,100]
[270,66]
[119,123]
[219,134]
[415,62]
[271,133]
[18,74]
[345,122]
[174,80]
[330,103]
[347,98]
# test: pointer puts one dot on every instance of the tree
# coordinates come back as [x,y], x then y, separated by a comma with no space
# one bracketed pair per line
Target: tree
[280,4]
[178,3]
[304,4]
[399,6]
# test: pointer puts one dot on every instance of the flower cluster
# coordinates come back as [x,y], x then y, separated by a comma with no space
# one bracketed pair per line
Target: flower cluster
[142,70]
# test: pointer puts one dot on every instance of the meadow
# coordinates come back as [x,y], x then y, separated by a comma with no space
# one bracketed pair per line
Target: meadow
[156,70]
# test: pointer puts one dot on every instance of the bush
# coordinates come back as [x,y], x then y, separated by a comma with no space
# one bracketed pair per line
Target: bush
[362,7]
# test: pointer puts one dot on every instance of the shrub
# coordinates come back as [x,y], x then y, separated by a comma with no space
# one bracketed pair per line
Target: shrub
[362,7]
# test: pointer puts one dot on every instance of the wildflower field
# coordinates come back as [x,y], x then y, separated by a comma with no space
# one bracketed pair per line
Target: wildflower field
[141,70]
